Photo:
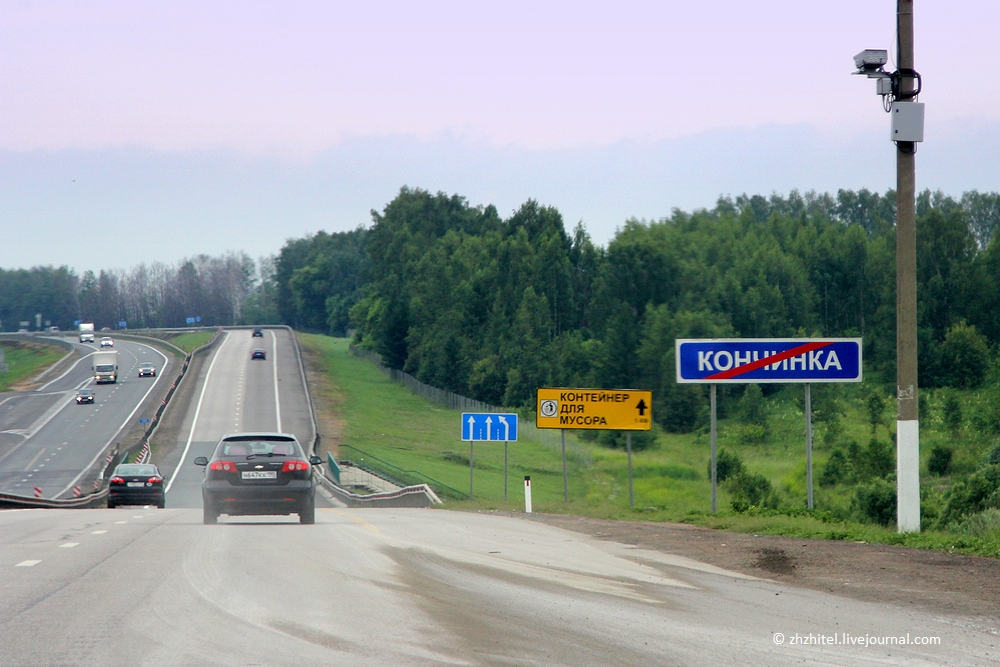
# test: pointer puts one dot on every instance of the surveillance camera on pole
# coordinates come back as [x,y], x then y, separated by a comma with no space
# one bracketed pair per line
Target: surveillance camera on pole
[899,91]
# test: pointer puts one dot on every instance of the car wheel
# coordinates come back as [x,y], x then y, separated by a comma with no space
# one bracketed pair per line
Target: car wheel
[162,503]
[307,513]
[111,504]
[211,516]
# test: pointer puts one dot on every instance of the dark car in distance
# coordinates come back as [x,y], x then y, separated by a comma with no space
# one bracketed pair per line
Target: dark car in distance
[147,368]
[258,473]
[257,333]
[258,353]
[136,484]
[85,396]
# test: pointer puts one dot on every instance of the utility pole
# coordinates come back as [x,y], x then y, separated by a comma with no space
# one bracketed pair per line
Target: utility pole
[907,416]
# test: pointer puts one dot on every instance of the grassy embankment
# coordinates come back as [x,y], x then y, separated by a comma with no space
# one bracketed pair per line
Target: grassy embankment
[191,341]
[390,422]
[25,360]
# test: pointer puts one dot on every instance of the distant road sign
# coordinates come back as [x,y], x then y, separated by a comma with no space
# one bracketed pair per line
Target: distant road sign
[490,426]
[604,409]
[123,324]
[189,320]
[144,420]
[742,360]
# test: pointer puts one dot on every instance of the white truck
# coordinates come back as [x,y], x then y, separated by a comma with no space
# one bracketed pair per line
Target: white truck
[105,366]
[86,332]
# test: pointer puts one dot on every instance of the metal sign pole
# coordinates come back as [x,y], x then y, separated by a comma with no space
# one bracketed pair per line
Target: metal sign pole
[562,432]
[809,448]
[470,469]
[714,471]
[505,471]
[631,489]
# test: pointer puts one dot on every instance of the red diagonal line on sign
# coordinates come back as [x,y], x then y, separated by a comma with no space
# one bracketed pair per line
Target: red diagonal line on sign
[767,361]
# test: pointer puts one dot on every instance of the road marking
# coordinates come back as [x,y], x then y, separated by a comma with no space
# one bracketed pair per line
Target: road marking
[28,563]
[141,516]
[120,522]
[197,411]
[37,456]
[274,363]
[361,522]
[68,545]
[99,532]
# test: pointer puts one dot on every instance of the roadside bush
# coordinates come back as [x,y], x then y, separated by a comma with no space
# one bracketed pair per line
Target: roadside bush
[992,457]
[727,464]
[981,524]
[875,404]
[879,459]
[751,490]
[875,502]
[753,407]
[939,462]
[616,440]
[751,434]
[835,470]
[952,412]
[975,493]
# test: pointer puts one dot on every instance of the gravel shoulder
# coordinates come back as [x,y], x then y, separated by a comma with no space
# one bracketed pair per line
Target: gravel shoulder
[954,584]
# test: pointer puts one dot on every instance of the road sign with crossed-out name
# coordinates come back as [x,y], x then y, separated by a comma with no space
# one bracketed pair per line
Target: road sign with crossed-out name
[489,426]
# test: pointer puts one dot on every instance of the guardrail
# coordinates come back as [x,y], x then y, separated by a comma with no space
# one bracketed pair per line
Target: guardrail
[399,476]
[419,495]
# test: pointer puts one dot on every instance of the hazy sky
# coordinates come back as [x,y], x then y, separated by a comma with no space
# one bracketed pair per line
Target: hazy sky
[137,131]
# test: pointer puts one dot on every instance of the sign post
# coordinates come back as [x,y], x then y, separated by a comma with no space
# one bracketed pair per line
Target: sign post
[489,427]
[595,409]
[768,360]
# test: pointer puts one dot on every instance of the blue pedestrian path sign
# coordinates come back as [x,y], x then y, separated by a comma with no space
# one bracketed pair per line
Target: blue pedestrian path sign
[489,426]
[741,360]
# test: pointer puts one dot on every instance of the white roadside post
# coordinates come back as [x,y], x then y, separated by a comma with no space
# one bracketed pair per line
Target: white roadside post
[527,494]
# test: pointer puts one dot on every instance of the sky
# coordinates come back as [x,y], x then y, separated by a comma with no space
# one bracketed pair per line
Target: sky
[136,131]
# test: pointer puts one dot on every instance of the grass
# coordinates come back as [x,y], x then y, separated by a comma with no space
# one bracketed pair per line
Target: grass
[26,360]
[189,342]
[671,483]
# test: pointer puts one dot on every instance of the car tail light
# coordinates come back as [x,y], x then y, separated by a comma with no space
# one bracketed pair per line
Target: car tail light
[227,466]
[293,466]
[155,480]
[117,480]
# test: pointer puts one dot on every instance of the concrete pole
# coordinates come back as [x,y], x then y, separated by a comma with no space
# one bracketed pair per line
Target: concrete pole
[809,447]
[631,488]
[562,432]
[907,416]
[715,477]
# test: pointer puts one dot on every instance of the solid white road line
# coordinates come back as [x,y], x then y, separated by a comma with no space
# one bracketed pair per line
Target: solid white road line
[197,411]
[65,373]
[274,363]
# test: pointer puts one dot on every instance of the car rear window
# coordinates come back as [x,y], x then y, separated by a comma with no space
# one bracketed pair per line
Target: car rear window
[135,470]
[258,447]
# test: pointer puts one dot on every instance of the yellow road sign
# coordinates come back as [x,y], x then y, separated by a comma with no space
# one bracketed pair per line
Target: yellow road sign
[605,409]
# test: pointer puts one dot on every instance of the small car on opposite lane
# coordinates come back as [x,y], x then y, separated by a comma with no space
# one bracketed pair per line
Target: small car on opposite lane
[258,473]
[136,484]
[147,368]
[85,396]
[107,342]
[258,354]
[257,333]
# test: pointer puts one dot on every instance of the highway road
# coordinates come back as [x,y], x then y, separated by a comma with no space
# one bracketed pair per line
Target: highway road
[140,586]
[48,441]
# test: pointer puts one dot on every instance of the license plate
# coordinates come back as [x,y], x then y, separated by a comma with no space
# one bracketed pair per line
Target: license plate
[136,484]
[260,474]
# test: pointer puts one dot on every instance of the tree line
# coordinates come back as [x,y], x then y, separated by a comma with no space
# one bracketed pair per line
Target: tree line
[469,301]
[225,290]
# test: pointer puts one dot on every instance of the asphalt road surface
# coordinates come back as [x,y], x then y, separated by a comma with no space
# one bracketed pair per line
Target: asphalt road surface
[140,586]
[48,441]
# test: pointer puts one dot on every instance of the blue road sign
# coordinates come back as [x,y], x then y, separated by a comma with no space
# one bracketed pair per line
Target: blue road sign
[189,320]
[123,324]
[742,360]
[144,420]
[491,426]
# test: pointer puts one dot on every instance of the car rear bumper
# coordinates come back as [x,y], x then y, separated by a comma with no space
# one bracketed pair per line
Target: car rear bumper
[258,499]
[135,497]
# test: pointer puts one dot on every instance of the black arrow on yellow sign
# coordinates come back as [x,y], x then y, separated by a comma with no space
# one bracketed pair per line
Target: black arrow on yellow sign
[642,407]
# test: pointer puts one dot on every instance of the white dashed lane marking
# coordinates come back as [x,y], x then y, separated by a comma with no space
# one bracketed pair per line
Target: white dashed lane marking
[99,532]
[28,563]
[68,545]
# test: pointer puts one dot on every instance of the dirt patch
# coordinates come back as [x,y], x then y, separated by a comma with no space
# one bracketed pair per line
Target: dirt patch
[932,580]
[327,398]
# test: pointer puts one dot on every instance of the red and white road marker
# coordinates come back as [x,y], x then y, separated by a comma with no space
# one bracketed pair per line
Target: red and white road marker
[38,492]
